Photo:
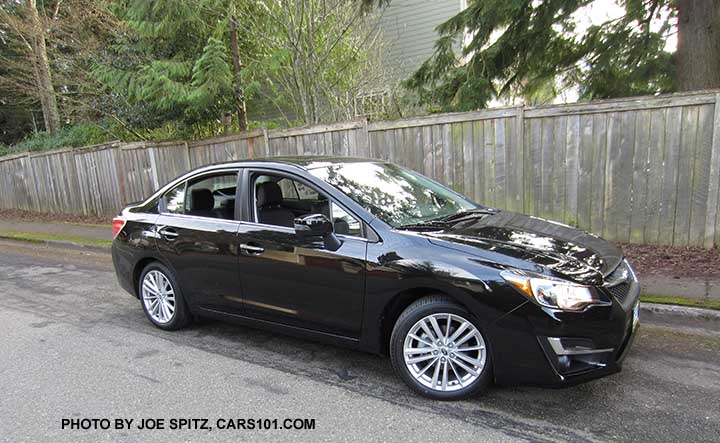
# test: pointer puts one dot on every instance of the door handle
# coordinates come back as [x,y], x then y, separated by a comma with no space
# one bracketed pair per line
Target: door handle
[251,249]
[168,233]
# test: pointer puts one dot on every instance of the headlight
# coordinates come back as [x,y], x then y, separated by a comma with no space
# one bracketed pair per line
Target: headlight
[555,293]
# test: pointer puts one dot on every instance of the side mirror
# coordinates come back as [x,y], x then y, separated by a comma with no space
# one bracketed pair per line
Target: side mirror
[317,225]
[313,225]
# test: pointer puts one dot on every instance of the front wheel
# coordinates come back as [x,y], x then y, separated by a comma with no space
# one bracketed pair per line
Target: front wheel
[438,350]
[162,299]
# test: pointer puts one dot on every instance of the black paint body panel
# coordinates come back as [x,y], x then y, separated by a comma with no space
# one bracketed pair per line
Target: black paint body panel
[351,296]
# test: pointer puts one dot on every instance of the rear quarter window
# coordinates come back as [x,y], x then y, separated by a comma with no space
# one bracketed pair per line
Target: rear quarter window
[175,199]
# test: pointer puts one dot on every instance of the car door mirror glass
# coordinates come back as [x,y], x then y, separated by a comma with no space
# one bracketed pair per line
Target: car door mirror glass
[313,225]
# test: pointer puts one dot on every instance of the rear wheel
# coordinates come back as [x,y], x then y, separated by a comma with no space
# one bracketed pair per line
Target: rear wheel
[162,299]
[439,351]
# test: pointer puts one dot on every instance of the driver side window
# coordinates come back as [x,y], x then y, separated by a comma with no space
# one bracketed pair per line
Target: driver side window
[279,200]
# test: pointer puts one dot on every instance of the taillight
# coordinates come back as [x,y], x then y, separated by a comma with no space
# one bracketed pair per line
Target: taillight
[117,224]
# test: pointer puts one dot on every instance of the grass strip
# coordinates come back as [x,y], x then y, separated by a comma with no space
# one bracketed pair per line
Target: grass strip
[681,301]
[39,238]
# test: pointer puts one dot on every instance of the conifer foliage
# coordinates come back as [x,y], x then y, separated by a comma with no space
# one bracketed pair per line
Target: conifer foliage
[495,49]
[172,58]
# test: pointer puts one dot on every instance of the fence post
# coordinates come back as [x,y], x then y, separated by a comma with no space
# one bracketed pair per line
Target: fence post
[519,148]
[121,174]
[153,167]
[365,143]
[187,155]
[712,221]
[266,139]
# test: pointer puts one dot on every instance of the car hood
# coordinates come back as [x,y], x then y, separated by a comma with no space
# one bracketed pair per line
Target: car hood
[561,249]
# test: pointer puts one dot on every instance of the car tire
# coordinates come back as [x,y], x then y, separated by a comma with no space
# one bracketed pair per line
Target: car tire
[414,338]
[161,298]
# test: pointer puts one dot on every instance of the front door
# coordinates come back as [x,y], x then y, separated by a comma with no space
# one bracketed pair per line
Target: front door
[293,280]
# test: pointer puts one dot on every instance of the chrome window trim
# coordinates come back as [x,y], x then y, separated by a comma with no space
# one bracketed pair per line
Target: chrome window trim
[292,230]
[197,217]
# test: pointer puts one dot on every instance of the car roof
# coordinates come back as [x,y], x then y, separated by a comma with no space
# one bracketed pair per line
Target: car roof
[303,161]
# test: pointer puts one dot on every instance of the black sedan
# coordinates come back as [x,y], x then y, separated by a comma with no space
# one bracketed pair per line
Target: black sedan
[370,255]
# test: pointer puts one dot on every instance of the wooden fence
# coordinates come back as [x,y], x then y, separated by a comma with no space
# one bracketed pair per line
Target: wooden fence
[643,170]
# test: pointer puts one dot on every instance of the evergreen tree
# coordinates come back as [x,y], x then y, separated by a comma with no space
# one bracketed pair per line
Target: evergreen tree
[172,62]
[500,48]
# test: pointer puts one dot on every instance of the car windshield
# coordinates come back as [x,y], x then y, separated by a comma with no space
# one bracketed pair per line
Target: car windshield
[396,195]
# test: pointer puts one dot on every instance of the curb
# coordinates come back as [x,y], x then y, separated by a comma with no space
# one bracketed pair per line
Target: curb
[683,316]
[60,244]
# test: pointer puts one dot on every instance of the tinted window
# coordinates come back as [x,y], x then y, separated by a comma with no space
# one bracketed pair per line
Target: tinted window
[175,200]
[278,200]
[306,192]
[288,189]
[344,222]
[212,196]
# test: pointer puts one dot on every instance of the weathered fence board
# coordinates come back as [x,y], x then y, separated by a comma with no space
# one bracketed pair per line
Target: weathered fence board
[671,169]
[643,169]
[639,185]
[656,159]
[712,221]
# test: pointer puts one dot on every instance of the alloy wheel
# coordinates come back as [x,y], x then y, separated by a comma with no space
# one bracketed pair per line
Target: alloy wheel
[158,296]
[444,352]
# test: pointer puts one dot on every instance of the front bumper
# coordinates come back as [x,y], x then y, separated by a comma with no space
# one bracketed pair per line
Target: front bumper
[540,346]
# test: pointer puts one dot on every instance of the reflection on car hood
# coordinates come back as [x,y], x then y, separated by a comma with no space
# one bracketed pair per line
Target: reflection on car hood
[575,254]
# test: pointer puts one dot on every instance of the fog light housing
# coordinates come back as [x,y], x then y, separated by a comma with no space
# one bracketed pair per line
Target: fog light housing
[570,355]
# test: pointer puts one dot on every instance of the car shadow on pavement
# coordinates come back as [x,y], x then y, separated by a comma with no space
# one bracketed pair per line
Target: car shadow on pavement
[522,411]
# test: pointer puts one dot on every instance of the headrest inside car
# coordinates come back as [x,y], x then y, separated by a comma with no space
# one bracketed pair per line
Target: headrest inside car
[202,199]
[268,193]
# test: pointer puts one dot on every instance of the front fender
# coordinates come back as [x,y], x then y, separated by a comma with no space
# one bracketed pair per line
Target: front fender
[425,268]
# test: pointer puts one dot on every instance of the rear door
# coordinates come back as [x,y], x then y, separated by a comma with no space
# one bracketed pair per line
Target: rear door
[197,234]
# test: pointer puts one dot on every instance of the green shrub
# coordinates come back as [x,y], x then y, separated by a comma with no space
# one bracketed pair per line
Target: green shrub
[93,133]
[81,134]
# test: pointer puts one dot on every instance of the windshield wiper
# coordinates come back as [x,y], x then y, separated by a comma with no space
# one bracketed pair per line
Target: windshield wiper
[427,225]
[435,224]
[468,213]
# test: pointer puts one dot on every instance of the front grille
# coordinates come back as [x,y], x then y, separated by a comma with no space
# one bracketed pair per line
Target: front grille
[619,291]
[619,282]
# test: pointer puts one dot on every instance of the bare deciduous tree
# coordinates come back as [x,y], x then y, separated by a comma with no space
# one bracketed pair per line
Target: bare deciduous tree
[46,54]
[321,54]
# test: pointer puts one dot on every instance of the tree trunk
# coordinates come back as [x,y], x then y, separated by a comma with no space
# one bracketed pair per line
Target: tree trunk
[698,51]
[43,75]
[237,68]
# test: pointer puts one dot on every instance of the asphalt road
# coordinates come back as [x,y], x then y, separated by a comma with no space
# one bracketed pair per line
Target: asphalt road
[74,345]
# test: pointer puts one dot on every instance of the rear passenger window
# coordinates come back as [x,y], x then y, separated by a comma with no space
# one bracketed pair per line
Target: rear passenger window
[175,200]
[212,197]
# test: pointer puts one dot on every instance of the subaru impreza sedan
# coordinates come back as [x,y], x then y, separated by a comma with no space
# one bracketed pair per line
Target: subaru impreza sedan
[369,255]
